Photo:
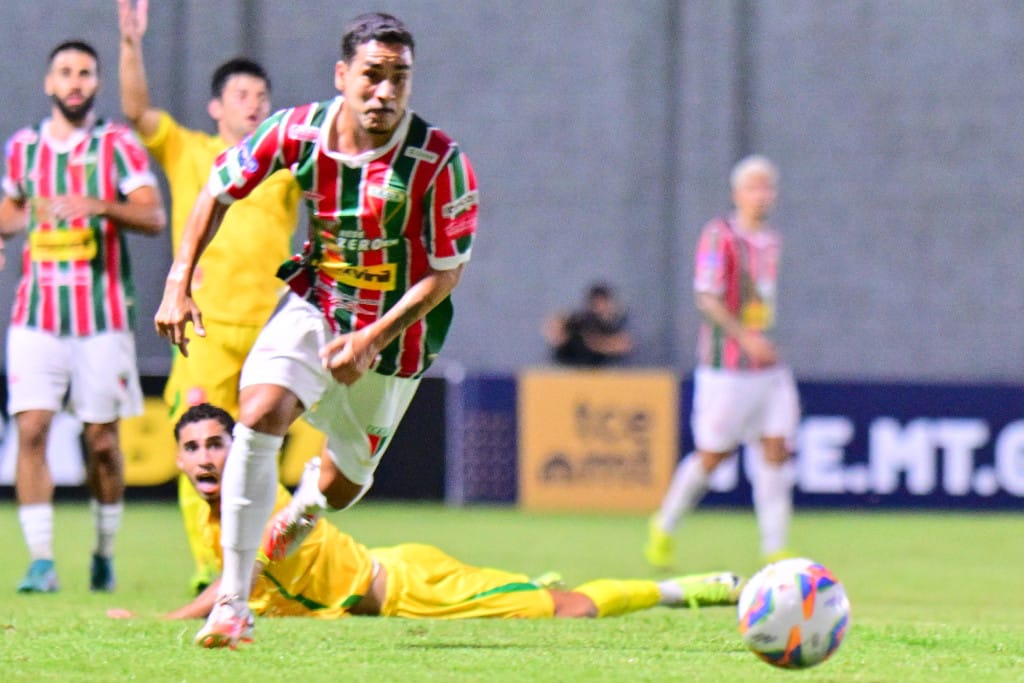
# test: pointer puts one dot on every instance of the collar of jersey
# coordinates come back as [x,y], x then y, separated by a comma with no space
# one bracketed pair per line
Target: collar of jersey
[61,146]
[363,158]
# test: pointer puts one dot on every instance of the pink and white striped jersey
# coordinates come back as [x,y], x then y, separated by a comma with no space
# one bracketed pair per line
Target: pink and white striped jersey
[75,276]
[741,267]
[379,221]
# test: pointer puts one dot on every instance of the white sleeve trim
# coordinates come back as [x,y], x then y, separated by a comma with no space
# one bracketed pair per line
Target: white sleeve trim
[11,189]
[449,262]
[133,182]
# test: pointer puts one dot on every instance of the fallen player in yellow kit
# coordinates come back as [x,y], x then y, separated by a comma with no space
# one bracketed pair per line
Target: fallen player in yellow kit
[331,575]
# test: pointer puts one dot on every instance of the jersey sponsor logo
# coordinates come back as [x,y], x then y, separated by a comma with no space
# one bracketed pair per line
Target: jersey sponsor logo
[379,278]
[299,131]
[76,244]
[388,194]
[313,196]
[421,154]
[461,205]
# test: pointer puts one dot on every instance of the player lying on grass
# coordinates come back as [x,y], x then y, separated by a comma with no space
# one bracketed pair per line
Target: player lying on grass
[331,575]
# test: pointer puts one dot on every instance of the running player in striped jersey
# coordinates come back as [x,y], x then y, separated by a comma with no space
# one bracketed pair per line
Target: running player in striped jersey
[332,575]
[393,210]
[743,393]
[76,183]
[244,259]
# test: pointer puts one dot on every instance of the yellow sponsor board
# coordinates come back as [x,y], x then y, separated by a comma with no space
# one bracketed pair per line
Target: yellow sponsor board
[596,440]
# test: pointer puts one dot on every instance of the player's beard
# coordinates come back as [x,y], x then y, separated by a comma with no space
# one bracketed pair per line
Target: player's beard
[77,113]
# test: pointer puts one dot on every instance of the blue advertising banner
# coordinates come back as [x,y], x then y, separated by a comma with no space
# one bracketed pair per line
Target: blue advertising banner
[899,445]
[861,444]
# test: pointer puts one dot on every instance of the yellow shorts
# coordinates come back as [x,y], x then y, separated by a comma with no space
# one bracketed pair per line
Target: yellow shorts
[211,371]
[425,583]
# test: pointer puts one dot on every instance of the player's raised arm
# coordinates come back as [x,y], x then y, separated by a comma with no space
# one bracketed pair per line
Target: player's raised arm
[133,20]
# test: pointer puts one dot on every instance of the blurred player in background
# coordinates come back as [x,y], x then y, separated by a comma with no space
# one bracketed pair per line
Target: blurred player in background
[393,210]
[743,393]
[234,284]
[76,183]
[332,575]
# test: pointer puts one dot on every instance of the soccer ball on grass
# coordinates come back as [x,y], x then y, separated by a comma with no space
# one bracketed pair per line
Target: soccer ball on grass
[794,613]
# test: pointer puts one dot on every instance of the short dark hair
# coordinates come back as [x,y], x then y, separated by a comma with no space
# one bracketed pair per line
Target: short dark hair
[78,46]
[600,290]
[200,412]
[384,28]
[234,67]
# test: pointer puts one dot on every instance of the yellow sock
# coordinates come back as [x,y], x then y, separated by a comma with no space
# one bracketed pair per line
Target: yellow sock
[615,597]
[190,503]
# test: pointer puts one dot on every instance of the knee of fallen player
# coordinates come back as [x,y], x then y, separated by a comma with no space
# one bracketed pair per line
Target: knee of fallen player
[573,605]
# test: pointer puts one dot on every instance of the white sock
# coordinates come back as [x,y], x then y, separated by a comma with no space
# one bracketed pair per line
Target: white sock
[37,527]
[689,484]
[107,517]
[671,593]
[248,491]
[773,504]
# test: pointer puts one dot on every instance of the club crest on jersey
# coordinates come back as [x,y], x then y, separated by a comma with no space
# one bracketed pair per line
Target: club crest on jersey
[299,131]
[421,154]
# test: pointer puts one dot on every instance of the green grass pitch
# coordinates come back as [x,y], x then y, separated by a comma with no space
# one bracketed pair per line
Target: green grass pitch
[935,598]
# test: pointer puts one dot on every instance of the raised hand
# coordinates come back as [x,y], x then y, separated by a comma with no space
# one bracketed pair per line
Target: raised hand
[133,18]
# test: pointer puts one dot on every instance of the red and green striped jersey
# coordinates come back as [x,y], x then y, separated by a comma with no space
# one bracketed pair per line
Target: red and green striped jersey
[741,267]
[75,276]
[379,221]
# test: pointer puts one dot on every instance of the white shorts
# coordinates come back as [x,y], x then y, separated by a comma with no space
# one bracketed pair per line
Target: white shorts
[97,374]
[731,407]
[358,420]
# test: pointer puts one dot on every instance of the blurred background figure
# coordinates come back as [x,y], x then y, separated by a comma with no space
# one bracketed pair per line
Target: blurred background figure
[594,335]
[743,391]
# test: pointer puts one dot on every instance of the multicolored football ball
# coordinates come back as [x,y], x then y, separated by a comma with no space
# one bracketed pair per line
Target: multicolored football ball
[794,613]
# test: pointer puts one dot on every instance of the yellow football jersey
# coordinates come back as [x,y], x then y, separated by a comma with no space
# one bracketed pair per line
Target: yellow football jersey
[235,279]
[327,574]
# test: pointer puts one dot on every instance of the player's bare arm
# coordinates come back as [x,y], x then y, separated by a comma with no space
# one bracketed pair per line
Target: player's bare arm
[133,20]
[760,349]
[13,216]
[13,219]
[141,211]
[349,356]
[177,308]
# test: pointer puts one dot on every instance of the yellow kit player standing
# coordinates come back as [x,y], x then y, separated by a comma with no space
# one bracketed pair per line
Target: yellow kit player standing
[240,264]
